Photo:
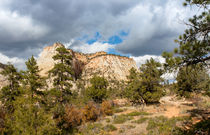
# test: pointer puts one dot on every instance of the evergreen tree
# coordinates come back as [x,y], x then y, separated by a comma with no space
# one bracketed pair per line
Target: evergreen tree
[62,75]
[145,86]
[98,89]
[61,94]
[194,44]
[30,116]
[192,79]
[33,81]
[10,92]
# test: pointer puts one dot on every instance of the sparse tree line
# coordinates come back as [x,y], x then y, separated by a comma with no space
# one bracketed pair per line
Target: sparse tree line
[28,106]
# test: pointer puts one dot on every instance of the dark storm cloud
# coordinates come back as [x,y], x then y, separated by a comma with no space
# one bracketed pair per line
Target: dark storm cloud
[60,20]
[27,26]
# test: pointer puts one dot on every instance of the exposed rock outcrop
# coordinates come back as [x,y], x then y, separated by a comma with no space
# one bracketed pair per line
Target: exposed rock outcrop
[86,65]
[3,79]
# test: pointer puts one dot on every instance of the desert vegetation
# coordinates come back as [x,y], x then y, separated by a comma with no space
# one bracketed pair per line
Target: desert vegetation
[29,106]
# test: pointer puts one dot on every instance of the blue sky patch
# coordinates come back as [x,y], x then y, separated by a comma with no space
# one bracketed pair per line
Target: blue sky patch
[93,40]
[114,40]
[123,33]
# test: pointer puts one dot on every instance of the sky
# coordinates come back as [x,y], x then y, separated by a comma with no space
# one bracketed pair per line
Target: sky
[139,29]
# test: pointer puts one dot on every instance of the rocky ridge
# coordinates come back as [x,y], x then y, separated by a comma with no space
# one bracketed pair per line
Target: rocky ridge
[86,65]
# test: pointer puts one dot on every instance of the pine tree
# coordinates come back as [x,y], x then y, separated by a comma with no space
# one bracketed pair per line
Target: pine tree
[192,79]
[10,92]
[145,86]
[62,75]
[30,116]
[194,44]
[33,81]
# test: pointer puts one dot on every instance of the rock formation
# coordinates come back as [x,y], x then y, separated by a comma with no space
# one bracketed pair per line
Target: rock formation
[86,65]
[3,79]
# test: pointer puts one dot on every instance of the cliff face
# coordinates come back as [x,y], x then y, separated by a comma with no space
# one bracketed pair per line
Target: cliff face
[100,63]
[3,79]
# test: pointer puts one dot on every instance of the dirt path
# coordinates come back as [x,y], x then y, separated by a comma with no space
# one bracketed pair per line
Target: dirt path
[169,107]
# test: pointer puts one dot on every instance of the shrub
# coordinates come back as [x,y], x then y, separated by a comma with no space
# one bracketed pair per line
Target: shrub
[98,89]
[118,110]
[110,127]
[90,112]
[140,120]
[122,119]
[135,113]
[72,117]
[91,129]
[163,125]
[107,108]
[2,120]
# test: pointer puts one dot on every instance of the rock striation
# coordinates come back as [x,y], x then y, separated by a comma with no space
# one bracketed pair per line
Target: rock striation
[87,65]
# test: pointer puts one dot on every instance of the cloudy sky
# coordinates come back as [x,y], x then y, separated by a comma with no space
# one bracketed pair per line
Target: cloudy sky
[136,28]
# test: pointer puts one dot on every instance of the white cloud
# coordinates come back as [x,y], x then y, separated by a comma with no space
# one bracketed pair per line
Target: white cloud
[142,59]
[86,48]
[19,27]
[18,62]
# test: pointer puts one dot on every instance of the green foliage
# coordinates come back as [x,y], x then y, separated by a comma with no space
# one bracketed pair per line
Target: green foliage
[33,81]
[135,113]
[91,129]
[118,110]
[109,128]
[31,119]
[140,120]
[29,115]
[192,79]
[194,43]
[10,92]
[162,125]
[2,120]
[98,89]
[200,128]
[145,86]
[119,119]
[62,75]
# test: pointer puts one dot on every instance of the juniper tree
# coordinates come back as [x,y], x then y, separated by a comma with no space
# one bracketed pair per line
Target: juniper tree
[10,92]
[194,44]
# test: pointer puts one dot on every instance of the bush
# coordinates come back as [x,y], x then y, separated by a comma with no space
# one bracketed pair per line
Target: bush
[135,113]
[98,89]
[90,112]
[72,117]
[141,120]
[107,108]
[162,125]
[109,128]
[122,119]
[2,120]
